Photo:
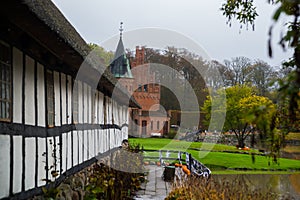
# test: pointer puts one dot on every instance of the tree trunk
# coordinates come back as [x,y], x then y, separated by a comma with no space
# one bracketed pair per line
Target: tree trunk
[241,143]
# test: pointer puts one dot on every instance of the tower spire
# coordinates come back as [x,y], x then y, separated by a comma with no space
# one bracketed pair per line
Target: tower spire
[121,29]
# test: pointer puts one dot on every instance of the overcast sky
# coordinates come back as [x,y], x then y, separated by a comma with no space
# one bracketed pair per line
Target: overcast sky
[201,21]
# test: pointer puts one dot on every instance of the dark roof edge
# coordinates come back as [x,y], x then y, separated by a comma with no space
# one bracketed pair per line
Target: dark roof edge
[51,16]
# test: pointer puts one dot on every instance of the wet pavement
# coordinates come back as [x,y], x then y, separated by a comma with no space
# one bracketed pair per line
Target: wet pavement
[155,187]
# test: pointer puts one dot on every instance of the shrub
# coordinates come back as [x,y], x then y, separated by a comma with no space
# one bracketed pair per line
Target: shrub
[121,179]
[172,134]
[194,188]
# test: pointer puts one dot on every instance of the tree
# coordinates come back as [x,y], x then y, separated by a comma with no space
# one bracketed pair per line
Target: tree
[245,13]
[225,74]
[187,66]
[262,75]
[244,111]
[240,70]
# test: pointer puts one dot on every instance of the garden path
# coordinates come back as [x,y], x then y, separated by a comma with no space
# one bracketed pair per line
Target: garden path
[155,187]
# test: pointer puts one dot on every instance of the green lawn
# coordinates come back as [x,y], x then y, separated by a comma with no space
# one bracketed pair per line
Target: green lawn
[217,159]
[252,172]
[169,144]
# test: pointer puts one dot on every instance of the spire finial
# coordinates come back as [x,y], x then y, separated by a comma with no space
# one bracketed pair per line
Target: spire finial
[121,29]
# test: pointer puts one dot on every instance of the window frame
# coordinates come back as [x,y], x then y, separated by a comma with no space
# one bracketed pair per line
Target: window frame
[151,125]
[140,88]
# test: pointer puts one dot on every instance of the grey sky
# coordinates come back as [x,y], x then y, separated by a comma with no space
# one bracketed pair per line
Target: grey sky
[98,20]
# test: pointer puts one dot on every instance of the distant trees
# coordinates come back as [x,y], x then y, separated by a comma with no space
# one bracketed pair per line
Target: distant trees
[245,12]
[245,111]
[186,67]
[263,76]
[242,70]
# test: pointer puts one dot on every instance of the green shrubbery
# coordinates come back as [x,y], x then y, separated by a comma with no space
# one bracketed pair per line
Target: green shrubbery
[114,177]
[172,134]
[121,179]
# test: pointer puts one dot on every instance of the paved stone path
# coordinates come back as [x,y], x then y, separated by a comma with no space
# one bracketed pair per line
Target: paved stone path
[155,188]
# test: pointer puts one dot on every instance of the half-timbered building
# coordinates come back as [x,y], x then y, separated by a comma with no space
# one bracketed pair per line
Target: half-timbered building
[53,122]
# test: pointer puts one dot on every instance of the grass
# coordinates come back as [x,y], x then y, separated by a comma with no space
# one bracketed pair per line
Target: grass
[169,144]
[220,160]
[217,159]
[252,172]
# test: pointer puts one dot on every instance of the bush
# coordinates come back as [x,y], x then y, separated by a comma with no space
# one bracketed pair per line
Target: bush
[199,188]
[172,134]
[103,180]
[121,179]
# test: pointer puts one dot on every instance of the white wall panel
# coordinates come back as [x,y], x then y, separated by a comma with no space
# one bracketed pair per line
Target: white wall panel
[41,161]
[56,98]
[115,138]
[91,143]
[116,113]
[96,104]
[75,148]
[57,154]
[63,99]
[85,145]
[88,104]
[101,140]
[50,146]
[99,149]
[80,102]
[17,166]
[80,146]
[4,165]
[64,152]
[100,108]
[41,96]
[98,134]
[29,92]
[29,163]
[69,87]
[106,138]
[112,139]
[119,137]
[125,133]
[69,150]
[95,134]
[85,103]
[17,85]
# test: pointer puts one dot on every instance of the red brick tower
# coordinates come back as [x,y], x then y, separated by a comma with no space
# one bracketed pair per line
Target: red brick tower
[151,118]
[137,78]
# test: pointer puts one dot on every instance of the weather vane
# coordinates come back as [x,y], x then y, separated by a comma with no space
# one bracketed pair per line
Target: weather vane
[121,29]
